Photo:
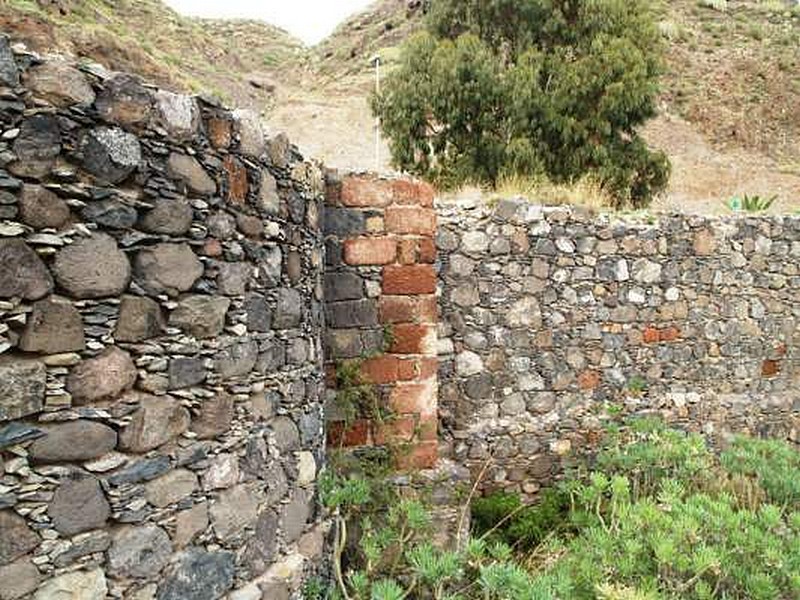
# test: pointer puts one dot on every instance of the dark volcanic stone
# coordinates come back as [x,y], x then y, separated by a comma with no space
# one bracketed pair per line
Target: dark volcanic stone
[168,216]
[22,272]
[52,328]
[9,72]
[79,505]
[198,575]
[125,101]
[186,372]
[158,420]
[40,208]
[289,309]
[236,360]
[259,317]
[104,377]
[111,154]
[139,319]
[261,548]
[22,387]
[167,268]
[111,213]
[200,316]
[16,538]
[93,267]
[73,441]
[37,146]
[215,417]
[139,552]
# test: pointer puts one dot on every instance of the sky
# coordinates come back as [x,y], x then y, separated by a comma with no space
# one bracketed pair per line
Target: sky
[309,20]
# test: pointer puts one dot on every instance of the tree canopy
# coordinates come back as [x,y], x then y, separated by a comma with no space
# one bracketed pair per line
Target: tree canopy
[496,88]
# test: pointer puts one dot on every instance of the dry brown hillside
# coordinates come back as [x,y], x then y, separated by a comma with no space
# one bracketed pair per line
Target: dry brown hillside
[730,110]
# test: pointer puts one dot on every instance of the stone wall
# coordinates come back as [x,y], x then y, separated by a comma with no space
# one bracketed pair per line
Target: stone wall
[553,319]
[161,377]
[380,305]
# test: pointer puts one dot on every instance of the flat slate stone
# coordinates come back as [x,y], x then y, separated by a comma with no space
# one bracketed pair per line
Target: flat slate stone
[93,267]
[22,387]
[198,575]
[37,146]
[22,272]
[143,470]
[18,433]
[53,328]
[79,505]
[73,441]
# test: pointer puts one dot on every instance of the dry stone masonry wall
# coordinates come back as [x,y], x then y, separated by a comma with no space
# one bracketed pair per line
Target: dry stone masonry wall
[553,319]
[161,377]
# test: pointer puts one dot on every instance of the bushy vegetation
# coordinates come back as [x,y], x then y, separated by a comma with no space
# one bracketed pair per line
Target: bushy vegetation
[498,89]
[657,516]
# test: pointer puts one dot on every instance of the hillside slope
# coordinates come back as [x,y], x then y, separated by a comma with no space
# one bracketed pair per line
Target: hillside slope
[730,106]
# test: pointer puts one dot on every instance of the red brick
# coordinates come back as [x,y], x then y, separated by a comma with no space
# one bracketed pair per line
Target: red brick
[770,368]
[651,335]
[414,398]
[428,428]
[414,339]
[427,368]
[410,220]
[412,192]
[237,180]
[426,251]
[409,280]
[366,191]
[398,309]
[407,251]
[428,309]
[370,251]
[589,380]
[421,455]
[398,429]
[388,369]
[355,435]
[669,334]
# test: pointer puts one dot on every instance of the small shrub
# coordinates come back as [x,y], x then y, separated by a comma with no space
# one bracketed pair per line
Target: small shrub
[754,203]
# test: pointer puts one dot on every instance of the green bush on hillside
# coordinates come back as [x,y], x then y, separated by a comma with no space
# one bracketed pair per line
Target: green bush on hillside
[503,88]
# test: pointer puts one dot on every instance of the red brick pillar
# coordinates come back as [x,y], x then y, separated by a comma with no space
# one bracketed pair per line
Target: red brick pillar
[381,284]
